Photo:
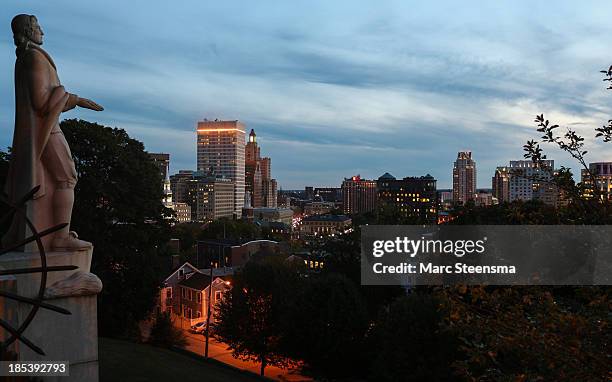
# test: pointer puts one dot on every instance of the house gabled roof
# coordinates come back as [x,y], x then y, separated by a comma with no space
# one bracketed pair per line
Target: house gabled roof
[200,281]
[177,269]
[197,281]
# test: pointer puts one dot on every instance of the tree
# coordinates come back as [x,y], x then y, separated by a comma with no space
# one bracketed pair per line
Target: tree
[187,233]
[412,342]
[530,333]
[250,316]
[595,209]
[118,208]
[326,327]
[165,334]
[343,256]
[538,332]
[514,213]
[230,229]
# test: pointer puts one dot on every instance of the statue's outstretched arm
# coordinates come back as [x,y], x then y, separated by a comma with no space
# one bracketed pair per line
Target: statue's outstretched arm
[41,88]
[89,104]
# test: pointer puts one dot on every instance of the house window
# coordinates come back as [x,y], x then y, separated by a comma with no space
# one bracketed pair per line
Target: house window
[190,295]
[199,297]
[198,314]
[217,295]
[169,292]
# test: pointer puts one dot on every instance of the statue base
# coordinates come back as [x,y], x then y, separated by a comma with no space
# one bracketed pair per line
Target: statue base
[72,338]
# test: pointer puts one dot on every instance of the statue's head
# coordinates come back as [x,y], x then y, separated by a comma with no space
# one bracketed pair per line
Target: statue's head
[26,29]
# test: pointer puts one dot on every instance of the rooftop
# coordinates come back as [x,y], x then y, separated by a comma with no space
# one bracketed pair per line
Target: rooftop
[196,281]
[386,176]
[326,218]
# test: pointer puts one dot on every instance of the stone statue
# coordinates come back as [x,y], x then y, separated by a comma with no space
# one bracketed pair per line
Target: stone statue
[40,154]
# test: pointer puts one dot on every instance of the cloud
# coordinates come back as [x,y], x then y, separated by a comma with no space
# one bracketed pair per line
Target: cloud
[332,88]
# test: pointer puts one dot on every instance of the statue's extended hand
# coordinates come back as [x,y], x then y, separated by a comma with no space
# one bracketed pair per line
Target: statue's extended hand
[89,104]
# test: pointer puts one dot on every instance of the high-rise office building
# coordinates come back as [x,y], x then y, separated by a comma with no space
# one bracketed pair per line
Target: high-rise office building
[207,197]
[270,193]
[412,197]
[501,184]
[178,185]
[210,197]
[258,175]
[221,146]
[602,173]
[464,178]
[532,181]
[162,161]
[358,195]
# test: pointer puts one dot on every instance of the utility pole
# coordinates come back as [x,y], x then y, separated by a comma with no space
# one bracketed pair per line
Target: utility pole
[210,294]
[208,310]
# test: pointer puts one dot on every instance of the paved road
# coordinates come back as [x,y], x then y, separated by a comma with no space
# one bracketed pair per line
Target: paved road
[218,351]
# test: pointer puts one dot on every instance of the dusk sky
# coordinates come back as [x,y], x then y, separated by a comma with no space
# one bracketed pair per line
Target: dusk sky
[332,88]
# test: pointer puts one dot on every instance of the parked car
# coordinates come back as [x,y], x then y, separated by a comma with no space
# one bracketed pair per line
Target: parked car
[198,328]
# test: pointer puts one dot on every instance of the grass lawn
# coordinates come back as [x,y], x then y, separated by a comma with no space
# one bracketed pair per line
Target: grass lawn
[126,361]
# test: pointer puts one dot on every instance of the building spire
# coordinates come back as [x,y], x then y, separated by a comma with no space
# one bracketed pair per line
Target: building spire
[252,136]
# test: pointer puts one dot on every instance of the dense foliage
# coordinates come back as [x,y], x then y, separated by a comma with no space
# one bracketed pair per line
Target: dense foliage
[165,334]
[326,326]
[118,208]
[253,311]
[411,341]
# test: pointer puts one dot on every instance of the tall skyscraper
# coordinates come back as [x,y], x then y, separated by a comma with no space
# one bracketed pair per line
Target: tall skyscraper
[358,195]
[252,165]
[412,197]
[221,146]
[258,175]
[501,184]
[464,178]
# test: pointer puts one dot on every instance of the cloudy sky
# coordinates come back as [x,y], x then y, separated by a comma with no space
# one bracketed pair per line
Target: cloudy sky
[332,88]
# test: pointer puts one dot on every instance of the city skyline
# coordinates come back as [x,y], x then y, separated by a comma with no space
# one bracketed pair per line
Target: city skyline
[333,90]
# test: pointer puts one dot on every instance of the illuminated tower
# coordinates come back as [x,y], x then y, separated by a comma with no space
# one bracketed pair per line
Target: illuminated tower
[221,146]
[253,170]
[464,178]
[258,175]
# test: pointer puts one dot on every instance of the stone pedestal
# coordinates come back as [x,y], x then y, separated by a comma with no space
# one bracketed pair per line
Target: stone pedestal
[72,338]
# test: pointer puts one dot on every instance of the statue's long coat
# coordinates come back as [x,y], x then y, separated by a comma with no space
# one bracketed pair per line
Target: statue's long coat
[39,100]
